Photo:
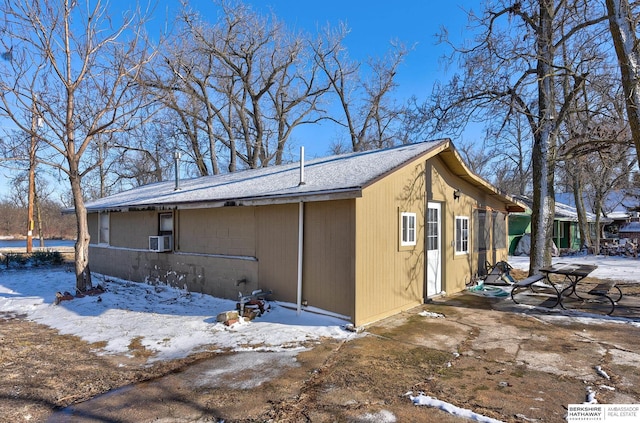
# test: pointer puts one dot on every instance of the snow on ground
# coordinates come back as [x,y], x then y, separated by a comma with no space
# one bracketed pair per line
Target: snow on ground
[422,399]
[172,322]
[609,267]
[175,323]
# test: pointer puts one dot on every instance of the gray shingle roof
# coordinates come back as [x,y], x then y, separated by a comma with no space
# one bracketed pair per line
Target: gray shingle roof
[343,174]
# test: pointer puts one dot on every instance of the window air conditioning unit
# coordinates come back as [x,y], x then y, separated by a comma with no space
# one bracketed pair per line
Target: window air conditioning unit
[160,244]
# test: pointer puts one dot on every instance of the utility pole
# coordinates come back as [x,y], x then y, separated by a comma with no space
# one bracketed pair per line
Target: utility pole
[103,191]
[32,177]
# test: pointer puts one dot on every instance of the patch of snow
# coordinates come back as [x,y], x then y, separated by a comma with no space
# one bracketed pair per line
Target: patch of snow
[591,396]
[170,322]
[260,367]
[382,416]
[609,267]
[422,399]
[602,372]
[430,314]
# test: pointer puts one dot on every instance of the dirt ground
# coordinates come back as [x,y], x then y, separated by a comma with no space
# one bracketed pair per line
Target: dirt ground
[509,362]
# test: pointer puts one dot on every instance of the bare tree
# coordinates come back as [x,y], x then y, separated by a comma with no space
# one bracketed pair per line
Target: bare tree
[512,67]
[508,144]
[240,85]
[623,24]
[147,157]
[369,115]
[78,66]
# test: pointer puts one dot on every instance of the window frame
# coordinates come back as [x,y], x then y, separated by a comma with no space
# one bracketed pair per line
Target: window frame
[104,229]
[165,217]
[461,243]
[558,229]
[433,230]
[408,233]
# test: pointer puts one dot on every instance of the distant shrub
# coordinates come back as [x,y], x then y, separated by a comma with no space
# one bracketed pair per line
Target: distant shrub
[17,258]
[37,258]
[47,257]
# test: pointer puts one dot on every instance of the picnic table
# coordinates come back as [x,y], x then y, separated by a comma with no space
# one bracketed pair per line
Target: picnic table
[573,274]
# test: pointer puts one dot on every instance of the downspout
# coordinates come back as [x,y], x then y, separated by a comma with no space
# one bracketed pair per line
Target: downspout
[300,253]
[300,235]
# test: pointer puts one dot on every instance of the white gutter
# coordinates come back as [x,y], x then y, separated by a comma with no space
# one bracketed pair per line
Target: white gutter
[300,235]
[300,254]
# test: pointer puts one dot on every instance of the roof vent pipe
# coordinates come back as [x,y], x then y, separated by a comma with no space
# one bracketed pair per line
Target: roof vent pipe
[176,157]
[302,182]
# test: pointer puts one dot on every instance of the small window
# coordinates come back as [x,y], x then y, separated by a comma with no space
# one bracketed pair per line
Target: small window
[433,229]
[166,224]
[462,235]
[103,234]
[408,229]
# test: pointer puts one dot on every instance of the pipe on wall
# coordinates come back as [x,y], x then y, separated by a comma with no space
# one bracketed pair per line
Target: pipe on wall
[300,253]
[300,235]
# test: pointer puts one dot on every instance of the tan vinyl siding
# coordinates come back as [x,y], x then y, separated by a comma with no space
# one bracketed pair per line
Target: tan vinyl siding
[458,268]
[226,231]
[390,278]
[277,250]
[132,229]
[329,250]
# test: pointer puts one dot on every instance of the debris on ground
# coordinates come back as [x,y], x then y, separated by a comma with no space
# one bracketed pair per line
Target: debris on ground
[247,308]
[67,296]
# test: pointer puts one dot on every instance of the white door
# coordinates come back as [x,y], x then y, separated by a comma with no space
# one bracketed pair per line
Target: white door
[434,250]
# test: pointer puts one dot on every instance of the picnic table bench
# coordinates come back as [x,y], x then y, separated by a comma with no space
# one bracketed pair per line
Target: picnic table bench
[604,289]
[569,291]
[573,275]
[528,283]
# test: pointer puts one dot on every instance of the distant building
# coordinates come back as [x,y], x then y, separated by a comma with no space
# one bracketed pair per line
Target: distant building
[619,207]
[566,234]
[630,231]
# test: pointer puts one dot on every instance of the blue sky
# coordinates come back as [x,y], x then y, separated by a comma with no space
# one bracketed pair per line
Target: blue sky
[374,24]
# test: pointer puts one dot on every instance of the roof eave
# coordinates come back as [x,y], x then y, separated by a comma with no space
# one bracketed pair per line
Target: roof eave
[456,164]
[338,194]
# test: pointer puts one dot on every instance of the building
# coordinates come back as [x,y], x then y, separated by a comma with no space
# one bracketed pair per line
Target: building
[566,232]
[361,235]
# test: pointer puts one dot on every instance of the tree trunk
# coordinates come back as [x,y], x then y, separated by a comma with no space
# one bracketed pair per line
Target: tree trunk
[622,27]
[36,203]
[543,206]
[544,147]
[583,224]
[598,212]
[83,273]
[32,178]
